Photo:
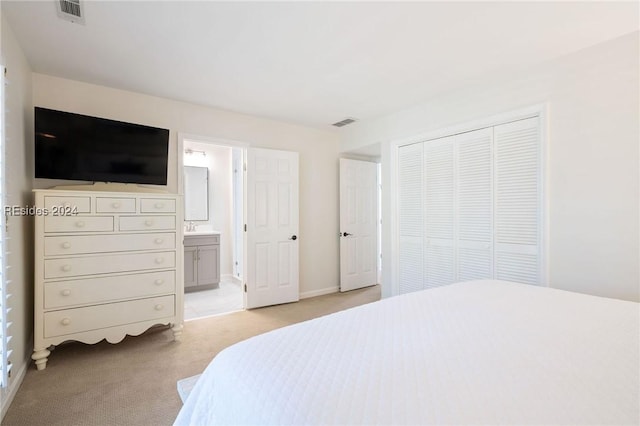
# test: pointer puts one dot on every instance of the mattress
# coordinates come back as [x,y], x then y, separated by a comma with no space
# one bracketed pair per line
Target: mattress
[480,352]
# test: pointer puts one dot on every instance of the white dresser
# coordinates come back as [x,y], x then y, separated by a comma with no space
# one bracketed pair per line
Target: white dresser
[107,265]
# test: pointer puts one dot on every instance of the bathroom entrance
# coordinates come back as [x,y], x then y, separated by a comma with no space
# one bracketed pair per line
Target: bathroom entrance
[213,188]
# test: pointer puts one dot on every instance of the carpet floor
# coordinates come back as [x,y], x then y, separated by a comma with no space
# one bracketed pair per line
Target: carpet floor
[134,381]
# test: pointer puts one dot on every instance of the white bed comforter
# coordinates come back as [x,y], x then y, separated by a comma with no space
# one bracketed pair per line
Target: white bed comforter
[481,352]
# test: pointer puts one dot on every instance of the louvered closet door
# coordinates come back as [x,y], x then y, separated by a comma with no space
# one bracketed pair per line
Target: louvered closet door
[439,210]
[410,189]
[517,201]
[474,199]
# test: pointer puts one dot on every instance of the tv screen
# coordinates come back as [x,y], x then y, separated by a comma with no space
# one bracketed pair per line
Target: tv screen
[79,147]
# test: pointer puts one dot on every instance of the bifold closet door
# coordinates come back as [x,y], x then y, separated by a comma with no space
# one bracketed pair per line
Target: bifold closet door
[518,201]
[474,205]
[410,218]
[439,212]
[470,207]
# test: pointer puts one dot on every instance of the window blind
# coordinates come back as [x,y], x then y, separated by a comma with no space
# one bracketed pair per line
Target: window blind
[5,325]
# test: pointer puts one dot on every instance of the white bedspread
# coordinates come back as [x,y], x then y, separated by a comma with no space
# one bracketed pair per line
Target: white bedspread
[482,352]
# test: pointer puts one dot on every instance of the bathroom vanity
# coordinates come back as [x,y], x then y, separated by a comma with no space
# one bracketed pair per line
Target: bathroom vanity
[201,260]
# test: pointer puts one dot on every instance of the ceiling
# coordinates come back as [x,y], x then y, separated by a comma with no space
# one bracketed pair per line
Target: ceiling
[312,63]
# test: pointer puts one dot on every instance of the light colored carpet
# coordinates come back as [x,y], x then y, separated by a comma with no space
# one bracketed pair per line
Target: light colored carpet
[134,382]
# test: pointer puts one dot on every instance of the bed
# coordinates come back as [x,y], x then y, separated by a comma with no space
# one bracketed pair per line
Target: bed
[480,352]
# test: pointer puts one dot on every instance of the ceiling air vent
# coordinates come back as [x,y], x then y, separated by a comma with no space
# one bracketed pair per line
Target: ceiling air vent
[70,10]
[344,122]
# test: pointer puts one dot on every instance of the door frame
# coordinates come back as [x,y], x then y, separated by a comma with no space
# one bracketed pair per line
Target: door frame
[243,146]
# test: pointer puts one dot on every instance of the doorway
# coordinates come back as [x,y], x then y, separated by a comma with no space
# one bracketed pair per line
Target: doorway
[213,188]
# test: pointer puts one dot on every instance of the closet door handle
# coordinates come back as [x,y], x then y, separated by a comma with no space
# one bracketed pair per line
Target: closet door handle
[346,234]
[294,237]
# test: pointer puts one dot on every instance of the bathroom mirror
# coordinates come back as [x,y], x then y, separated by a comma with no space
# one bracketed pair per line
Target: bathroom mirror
[196,193]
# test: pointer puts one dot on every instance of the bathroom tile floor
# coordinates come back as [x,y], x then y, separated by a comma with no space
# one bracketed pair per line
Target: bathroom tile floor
[205,303]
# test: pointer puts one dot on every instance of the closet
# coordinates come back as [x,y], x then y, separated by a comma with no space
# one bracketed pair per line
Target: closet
[469,207]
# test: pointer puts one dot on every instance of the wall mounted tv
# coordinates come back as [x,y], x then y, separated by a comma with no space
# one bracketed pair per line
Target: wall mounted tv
[79,147]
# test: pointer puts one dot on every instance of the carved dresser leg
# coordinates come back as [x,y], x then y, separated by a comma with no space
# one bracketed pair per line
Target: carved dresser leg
[177,332]
[40,356]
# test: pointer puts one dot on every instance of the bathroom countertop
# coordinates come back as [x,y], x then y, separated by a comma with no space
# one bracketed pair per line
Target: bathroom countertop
[200,233]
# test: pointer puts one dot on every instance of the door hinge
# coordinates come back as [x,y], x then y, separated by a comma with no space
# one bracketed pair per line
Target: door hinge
[245,166]
[245,288]
[245,227]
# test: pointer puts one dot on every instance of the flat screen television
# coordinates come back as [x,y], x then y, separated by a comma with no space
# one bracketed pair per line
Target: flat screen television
[79,147]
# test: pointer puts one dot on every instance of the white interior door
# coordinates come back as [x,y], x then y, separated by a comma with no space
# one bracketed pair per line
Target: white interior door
[358,224]
[272,227]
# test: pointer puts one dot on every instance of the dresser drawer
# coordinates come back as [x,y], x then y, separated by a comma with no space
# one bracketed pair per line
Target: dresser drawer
[69,321]
[147,223]
[76,204]
[115,205]
[89,265]
[61,294]
[81,244]
[157,205]
[78,223]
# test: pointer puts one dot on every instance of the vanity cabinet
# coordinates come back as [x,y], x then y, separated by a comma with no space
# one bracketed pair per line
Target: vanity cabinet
[201,262]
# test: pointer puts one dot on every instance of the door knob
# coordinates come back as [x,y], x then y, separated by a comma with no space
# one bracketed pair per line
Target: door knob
[346,234]
[293,238]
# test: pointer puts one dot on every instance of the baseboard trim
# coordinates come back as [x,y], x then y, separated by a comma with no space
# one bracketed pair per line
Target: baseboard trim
[321,292]
[14,384]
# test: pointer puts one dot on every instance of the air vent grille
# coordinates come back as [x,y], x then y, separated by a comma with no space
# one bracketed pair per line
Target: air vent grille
[71,10]
[344,122]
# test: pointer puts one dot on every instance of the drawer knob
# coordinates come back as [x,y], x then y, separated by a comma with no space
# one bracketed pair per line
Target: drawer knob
[65,321]
[66,268]
[148,222]
[80,224]
[159,307]
[159,205]
[66,292]
[66,245]
[159,260]
[158,241]
[159,281]
[115,205]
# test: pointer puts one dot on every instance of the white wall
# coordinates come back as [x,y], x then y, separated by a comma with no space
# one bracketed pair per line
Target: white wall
[318,156]
[592,165]
[19,171]
[218,161]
